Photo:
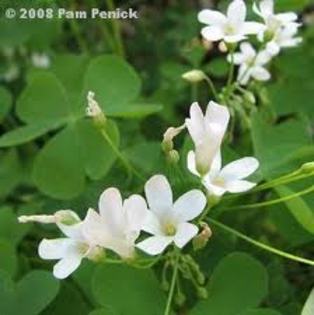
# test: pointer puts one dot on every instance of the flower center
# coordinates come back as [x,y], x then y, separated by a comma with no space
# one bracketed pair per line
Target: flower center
[170,229]
[219,181]
[230,29]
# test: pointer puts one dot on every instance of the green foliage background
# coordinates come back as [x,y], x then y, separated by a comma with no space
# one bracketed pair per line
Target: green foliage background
[52,157]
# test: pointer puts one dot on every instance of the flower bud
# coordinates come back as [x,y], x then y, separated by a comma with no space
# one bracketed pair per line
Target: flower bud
[180,298]
[307,167]
[194,76]
[202,293]
[94,111]
[202,238]
[169,135]
[97,255]
[249,96]
[173,157]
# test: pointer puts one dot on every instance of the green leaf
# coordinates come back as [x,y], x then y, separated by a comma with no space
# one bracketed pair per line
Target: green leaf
[30,295]
[136,111]
[275,145]
[23,134]
[260,311]
[5,102]
[308,308]
[125,290]
[219,67]
[10,229]
[10,172]
[43,99]
[291,5]
[114,82]
[299,208]
[238,283]
[96,152]
[102,312]
[59,167]
[8,261]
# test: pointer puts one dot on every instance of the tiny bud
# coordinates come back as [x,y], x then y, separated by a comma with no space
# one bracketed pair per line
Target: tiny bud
[194,76]
[222,47]
[307,167]
[212,200]
[180,299]
[249,96]
[173,157]
[169,135]
[94,111]
[202,293]
[202,238]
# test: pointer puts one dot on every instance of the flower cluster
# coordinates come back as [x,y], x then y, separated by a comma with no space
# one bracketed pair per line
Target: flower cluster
[117,224]
[275,32]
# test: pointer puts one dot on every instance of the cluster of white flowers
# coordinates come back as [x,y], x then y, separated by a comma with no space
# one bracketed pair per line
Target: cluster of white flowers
[276,31]
[118,224]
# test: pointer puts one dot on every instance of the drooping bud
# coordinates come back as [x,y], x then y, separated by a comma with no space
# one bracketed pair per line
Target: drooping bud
[94,111]
[169,135]
[202,238]
[66,217]
[194,76]
[173,157]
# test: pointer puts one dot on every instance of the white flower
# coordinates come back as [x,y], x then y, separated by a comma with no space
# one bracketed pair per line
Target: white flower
[194,76]
[168,221]
[284,38]
[41,60]
[207,132]
[227,179]
[251,64]
[69,250]
[232,27]
[118,224]
[280,29]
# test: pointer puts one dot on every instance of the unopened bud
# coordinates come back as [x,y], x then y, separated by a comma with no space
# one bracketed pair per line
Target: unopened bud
[169,135]
[173,157]
[307,167]
[202,238]
[222,47]
[194,76]
[94,111]
[212,200]
[202,293]
[180,298]
[65,217]
[249,96]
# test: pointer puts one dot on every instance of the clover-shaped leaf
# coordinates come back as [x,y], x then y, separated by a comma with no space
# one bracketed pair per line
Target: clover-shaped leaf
[29,296]
[238,284]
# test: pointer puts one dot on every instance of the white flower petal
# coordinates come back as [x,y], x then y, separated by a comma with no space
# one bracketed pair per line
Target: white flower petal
[234,38]
[136,211]
[236,12]
[189,206]
[185,232]
[195,123]
[152,224]
[248,50]
[239,169]
[66,266]
[244,74]
[191,163]
[54,249]
[263,58]
[251,28]
[158,194]
[238,186]
[110,208]
[287,17]
[213,189]
[73,231]
[273,48]
[237,58]
[155,245]
[260,74]
[217,116]
[267,7]
[216,164]
[211,17]
[95,229]
[212,33]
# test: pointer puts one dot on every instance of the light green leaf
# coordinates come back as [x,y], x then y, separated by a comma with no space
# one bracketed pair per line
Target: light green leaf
[24,134]
[10,172]
[8,261]
[30,295]
[5,102]
[59,167]
[96,152]
[114,82]
[136,111]
[238,283]
[43,99]
[308,308]
[126,290]
[299,208]
[260,311]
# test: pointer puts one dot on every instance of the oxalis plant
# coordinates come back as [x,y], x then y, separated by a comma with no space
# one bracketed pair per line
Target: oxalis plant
[154,227]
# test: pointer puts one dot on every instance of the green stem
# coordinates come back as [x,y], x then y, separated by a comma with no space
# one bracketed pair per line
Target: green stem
[261,245]
[173,283]
[116,30]
[130,169]
[212,87]
[274,201]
